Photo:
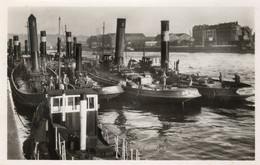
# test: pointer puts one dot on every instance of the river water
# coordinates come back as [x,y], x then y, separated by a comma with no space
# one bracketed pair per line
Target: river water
[201,130]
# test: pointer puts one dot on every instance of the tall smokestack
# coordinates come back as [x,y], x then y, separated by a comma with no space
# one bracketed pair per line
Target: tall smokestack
[33,43]
[74,46]
[10,47]
[120,41]
[164,45]
[43,44]
[19,51]
[16,47]
[78,57]
[25,47]
[68,44]
[58,45]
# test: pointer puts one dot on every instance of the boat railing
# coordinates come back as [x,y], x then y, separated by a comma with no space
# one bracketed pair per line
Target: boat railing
[60,147]
[121,145]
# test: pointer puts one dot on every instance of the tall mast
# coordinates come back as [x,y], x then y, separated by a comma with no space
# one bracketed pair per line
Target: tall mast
[59,26]
[58,47]
[103,38]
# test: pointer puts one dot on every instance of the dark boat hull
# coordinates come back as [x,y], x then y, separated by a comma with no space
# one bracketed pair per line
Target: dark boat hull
[170,96]
[222,93]
[27,99]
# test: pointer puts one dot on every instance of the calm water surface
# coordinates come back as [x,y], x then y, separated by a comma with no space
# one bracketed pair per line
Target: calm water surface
[202,130]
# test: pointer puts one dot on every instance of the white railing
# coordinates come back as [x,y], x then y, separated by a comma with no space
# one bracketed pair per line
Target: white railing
[121,146]
[60,146]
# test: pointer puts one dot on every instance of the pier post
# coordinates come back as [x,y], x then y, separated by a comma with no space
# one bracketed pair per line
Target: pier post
[68,45]
[132,154]
[33,43]
[16,45]
[83,122]
[78,58]
[165,45]
[120,41]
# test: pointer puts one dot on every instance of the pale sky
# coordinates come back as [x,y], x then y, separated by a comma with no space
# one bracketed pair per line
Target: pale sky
[88,20]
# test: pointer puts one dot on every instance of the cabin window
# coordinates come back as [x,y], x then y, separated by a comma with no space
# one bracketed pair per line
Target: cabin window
[91,103]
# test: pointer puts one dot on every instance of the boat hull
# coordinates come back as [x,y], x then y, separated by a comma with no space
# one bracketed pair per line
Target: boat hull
[110,92]
[225,93]
[170,96]
[26,99]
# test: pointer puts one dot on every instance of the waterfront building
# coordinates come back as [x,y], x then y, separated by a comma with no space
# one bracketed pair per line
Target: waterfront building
[176,39]
[132,40]
[221,34]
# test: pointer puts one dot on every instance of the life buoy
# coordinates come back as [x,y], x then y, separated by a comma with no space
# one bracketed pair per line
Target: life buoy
[212,94]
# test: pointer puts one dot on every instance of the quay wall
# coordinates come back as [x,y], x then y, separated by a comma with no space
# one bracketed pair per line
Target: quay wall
[14,145]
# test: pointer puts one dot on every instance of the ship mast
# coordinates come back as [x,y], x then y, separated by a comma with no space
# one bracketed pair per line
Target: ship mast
[59,44]
[103,38]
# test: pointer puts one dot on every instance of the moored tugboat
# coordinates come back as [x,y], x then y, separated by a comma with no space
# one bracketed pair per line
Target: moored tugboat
[141,86]
[28,77]
[65,126]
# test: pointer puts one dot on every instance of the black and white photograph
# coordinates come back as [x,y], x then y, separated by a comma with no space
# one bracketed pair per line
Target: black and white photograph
[132,83]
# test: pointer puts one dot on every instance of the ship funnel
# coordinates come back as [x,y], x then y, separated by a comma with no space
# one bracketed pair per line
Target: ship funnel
[120,41]
[74,46]
[78,58]
[43,44]
[25,47]
[10,47]
[68,45]
[16,47]
[33,43]
[165,45]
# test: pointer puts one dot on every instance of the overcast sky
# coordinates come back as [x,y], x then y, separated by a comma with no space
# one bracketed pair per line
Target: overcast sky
[89,20]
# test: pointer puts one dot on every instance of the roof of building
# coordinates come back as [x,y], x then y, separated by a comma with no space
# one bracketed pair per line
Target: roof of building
[220,25]
[131,36]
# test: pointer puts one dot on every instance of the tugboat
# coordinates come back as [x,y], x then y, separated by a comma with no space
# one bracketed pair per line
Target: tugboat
[65,127]
[142,86]
[28,78]
[72,66]
[211,88]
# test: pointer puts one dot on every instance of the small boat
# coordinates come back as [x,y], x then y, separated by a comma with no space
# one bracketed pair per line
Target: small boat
[143,87]
[213,88]
[111,70]
[105,92]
